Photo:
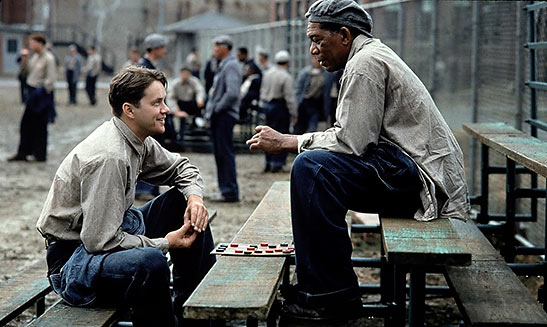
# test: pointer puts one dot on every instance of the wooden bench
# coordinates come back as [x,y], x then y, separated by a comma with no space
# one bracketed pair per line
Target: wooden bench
[23,291]
[487,292]
[30,288]
[530,153]
[416,246]
[245,287]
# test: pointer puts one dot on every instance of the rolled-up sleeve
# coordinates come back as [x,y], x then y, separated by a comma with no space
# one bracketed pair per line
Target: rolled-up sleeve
[359,116]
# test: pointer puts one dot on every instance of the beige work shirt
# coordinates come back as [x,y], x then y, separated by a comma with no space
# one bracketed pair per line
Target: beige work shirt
[278,84]
[187,91]
[93,65]
[42,70]
[381,98]
[95,185]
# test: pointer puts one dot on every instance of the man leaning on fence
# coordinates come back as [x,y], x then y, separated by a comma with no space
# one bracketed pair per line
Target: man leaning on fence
[390,151]
[102,250]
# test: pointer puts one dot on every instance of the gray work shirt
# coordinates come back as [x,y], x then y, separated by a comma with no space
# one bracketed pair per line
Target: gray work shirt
[278,84]
[95,185]
[381,98]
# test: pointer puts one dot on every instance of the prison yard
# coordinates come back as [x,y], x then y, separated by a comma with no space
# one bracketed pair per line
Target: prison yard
[482,62]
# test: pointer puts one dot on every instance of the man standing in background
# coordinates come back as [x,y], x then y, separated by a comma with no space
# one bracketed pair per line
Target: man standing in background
[73,65]
[222,111]
[193,60]
[279,103]
[39,107]
[93,68]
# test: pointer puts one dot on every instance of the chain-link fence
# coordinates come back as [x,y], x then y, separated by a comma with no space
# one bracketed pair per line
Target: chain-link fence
[469,54]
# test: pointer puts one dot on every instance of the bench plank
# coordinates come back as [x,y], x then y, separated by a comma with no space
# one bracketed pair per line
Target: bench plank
[61,314]
[22,291]
[488,292]
[407,241]
[527,150]
[245,287]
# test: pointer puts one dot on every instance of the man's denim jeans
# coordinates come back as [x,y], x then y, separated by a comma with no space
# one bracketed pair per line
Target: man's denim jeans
[324,185]
[139,278]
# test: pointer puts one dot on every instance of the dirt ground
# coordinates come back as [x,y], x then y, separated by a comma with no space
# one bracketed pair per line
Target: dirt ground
[24,186]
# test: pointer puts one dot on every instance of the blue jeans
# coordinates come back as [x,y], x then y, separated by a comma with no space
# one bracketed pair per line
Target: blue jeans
[222,134]
[138,278]
[324,185]
[278,118]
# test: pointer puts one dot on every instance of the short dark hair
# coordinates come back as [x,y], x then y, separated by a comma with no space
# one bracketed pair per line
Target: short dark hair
[243,50]
[129,84]
[335,28]
[38,37]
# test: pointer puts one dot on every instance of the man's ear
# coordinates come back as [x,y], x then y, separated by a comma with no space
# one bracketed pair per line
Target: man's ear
[128,109]
[346,36]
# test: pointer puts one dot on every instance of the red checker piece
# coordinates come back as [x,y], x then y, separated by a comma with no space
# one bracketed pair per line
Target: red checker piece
[278,250]
[238,251]
[234,245]
[263,244]
[269,251]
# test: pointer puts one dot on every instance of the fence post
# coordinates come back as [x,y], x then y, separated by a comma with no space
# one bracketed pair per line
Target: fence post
[474,85]
[434,45]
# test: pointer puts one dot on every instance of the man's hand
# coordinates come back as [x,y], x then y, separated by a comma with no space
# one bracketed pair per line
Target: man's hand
[196,214]
[182,237]
[271,141]
[200,103]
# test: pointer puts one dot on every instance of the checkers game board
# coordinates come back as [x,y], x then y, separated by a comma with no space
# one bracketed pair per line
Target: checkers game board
[261,249]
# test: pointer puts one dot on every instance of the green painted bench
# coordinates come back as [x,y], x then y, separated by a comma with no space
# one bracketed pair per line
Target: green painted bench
[487,292]
[245,287]
[415,247]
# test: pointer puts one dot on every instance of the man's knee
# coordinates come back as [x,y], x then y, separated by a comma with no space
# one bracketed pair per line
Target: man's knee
[152,262]
[309,161]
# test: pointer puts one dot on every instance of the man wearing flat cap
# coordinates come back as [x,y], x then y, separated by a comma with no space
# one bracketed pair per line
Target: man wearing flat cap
[390,151]
[222,111]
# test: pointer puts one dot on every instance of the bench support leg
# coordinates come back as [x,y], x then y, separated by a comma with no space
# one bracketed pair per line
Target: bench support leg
[510,211]
[40,306]
[417,297]
[397,315]
[252,322]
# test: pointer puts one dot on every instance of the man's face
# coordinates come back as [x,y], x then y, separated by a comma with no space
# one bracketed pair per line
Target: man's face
[241,57]
[34,45]
[330,48]
[220,50]
[184,75]
[152,111]
[159,52]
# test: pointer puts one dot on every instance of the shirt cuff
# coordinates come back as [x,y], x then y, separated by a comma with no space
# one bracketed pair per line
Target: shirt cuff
[162,244]
[192,189]
[304,141]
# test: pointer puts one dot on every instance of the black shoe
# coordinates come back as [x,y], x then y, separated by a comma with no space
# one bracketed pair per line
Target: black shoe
[336,313]
[222,198]
[17,157]
[277,169]
[267,168]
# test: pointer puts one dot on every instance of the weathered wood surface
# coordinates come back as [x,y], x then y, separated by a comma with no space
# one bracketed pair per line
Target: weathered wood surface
[245,287]
[22,291]
[61,314]
[436,242]
[524,149]
[488,293]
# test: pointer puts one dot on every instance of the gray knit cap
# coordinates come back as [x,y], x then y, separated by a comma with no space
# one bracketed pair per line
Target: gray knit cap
[342,12]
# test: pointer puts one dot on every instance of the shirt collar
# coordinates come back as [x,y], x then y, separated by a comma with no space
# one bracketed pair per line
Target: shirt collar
[358,43]
[129,136]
